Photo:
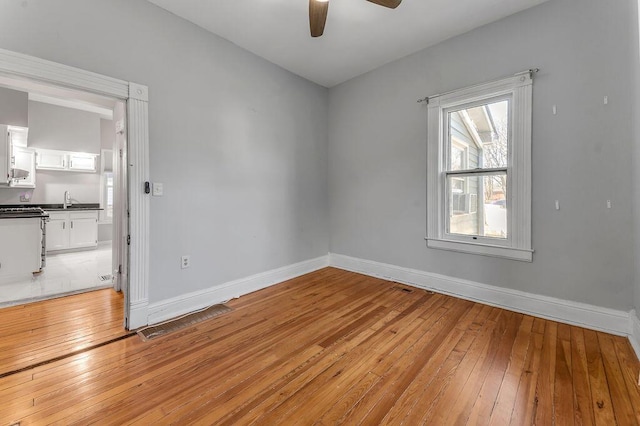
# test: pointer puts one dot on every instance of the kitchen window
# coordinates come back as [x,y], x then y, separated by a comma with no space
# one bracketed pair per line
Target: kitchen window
[479,169]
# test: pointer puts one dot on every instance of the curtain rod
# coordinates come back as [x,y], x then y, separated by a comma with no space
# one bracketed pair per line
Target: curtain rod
[529,71]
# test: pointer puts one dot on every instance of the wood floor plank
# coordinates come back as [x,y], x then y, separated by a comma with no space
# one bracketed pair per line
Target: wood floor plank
[545,386]
[600,395]
[485,401]
[330,347]
[622,405]
[525,403]
[582,388]
[503,407]
[563,386]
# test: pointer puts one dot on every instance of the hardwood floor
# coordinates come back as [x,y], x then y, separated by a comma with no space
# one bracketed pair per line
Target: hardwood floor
[334,347]
[40,331]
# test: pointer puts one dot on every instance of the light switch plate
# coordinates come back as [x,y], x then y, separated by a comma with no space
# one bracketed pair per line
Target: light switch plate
[158,189]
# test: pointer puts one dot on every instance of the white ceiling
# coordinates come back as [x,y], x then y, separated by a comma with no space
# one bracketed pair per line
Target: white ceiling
[359,36]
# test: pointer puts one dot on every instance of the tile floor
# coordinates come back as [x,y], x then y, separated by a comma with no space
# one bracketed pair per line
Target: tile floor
[65,273]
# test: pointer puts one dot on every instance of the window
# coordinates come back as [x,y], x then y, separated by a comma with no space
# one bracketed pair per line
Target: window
[106,183]
[108,196]
[479,169]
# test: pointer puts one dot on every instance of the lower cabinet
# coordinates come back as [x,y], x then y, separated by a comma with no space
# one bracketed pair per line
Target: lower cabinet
[72,230]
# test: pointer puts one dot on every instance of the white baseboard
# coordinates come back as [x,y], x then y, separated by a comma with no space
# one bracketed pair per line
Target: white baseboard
[634,331]
[565,311]
[190,302]
[138,314]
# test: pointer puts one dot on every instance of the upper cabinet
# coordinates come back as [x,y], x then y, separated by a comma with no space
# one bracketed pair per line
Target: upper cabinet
[24,159]
[49,159]
[17,162]
[80,162]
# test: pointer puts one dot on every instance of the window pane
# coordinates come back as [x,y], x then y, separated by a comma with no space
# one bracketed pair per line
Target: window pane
[478,205]
[479,136]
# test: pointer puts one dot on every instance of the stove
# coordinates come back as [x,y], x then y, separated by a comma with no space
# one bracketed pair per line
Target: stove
[22,212]
[9,213]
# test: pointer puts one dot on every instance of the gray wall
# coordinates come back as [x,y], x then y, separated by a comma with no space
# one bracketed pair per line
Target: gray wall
[13,107]
[582,156]
[65,129]
[239,143]
[635,86]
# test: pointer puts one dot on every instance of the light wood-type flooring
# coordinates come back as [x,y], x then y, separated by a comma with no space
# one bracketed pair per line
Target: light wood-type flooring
[37,332]
[334,347]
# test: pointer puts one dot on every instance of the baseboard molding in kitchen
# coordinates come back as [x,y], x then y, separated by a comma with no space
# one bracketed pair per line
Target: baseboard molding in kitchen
[190,302]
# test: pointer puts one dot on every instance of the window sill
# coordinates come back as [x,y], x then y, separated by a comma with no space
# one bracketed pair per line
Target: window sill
[523,255]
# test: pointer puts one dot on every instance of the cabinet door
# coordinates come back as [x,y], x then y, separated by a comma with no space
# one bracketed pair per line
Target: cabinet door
[5,155]
[57,234]
[83,231]
[82,162]
[25,159]
[51,160]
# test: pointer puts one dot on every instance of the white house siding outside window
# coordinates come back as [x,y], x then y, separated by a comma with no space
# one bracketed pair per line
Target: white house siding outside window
[479,169]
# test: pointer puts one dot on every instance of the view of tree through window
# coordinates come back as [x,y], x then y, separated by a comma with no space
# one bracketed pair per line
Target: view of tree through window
[478,150]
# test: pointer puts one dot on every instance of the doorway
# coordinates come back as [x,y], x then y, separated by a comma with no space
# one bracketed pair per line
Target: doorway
[66,145]
[131,208]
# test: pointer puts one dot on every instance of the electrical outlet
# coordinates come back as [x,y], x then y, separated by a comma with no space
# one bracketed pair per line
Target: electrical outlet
[186,262]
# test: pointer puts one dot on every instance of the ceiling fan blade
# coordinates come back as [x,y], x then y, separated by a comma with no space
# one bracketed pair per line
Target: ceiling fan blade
[317,16]
[391,4]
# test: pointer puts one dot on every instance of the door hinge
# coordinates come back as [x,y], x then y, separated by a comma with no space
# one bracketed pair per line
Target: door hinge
[119,269]
[128,240]
[120,153]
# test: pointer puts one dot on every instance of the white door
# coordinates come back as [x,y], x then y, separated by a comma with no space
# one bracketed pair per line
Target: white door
[121,209]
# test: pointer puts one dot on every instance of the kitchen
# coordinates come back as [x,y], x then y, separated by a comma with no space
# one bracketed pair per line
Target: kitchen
[56,203]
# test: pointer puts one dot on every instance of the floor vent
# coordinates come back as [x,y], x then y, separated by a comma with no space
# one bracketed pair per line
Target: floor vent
[179,323]
[403,289]
[104,278]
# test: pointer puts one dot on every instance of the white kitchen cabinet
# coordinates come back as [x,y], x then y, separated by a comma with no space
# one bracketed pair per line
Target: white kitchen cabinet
[16,158]
[82,162]
[72,230]
[21,248]
[57,232]
[83,230]
[49,159]
[25,159]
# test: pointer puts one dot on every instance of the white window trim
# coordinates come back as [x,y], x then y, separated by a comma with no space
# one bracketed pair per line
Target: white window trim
[518,245]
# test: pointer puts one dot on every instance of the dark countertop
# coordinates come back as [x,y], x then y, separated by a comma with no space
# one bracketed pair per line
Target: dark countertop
[72,207]
[52,207]
[30,212]
[23,215]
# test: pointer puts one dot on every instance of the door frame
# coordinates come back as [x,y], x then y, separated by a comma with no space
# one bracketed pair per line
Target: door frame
[136,96]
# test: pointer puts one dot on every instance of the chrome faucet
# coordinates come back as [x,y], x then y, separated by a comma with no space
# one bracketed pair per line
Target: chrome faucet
[67,200]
